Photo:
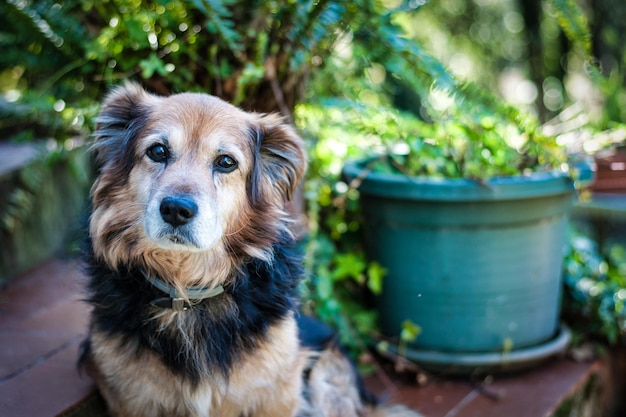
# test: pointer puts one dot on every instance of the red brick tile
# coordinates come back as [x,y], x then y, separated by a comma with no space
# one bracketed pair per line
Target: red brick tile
[531,394]
[48,389]
[51,283]
[435,399]
[41,325]
[22,349]
[70,316]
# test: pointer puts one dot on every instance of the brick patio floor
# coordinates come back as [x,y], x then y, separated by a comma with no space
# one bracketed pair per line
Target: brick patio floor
[42,322]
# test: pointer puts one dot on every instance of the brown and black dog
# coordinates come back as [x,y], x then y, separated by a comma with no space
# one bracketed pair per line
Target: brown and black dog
[193,281]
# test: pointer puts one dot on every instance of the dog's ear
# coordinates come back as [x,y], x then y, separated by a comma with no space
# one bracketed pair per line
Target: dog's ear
[122,118]
[280,160]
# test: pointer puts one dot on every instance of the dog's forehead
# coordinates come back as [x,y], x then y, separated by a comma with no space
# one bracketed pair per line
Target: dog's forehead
[201,120]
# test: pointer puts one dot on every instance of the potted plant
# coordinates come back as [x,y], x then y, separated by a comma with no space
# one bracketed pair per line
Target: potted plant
[478,288]
[468,216]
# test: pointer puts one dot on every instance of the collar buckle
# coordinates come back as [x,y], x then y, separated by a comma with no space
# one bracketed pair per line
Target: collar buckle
[168,303]
[179,304]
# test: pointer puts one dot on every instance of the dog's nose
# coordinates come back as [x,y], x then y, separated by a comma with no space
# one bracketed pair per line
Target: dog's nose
[178,210]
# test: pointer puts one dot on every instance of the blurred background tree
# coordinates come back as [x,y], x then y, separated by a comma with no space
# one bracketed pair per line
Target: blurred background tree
[521,46]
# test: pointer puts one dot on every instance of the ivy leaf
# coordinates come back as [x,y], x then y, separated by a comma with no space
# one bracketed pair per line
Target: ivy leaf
[375,274]
[409,331]
[324,284]
[349,265]
[151,65]
[135,30]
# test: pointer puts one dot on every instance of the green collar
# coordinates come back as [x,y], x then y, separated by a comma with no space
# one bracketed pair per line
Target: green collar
[174,300]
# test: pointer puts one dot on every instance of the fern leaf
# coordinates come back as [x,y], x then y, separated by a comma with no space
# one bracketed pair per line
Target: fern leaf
[220,22]
[429,71]
[573,22]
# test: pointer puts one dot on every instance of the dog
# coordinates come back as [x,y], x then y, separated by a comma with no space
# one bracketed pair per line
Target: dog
[193,279]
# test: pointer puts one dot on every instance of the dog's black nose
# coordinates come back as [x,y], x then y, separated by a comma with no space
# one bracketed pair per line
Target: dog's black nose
[178,210]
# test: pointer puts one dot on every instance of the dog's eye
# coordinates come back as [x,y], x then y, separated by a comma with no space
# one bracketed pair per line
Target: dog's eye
[158,153]
[225,163]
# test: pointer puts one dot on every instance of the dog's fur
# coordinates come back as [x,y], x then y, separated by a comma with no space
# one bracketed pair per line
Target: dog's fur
[244,352]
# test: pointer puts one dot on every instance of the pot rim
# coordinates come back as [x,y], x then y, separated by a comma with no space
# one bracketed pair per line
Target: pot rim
[533,185]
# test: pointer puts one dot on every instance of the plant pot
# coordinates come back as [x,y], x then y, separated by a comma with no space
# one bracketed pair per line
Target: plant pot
[476,265]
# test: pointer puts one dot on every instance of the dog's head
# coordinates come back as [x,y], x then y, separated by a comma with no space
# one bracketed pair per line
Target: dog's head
[189,175]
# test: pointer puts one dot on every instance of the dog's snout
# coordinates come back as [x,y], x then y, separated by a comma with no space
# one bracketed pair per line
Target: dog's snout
[178,210]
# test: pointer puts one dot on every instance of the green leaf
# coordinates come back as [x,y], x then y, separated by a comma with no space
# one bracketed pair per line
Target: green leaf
[573,22]
[151,65]
[220,22]
[324,284]
[375,275]
[410,331]
[349,265]
[410,58]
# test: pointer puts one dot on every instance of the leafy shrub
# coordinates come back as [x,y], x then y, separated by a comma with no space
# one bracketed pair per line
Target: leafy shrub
[595,290]
[61,57]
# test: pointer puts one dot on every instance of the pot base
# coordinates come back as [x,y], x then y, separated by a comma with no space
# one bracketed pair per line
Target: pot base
[459,363]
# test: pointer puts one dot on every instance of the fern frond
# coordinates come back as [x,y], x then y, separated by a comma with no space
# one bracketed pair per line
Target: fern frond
[220,22]
[573,22]
[407,57]
[40,25]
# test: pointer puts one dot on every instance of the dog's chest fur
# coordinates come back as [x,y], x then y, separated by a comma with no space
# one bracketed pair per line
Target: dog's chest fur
[144,386]
[192,361]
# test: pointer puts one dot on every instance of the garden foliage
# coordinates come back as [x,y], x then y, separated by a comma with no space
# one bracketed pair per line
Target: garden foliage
[353,76]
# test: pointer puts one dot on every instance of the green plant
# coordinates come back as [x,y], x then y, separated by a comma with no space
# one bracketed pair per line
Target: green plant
[594,302]
[452,129]
[459,129]
[458,145]
[456,129]
[45,90]
[63,56]
[337,270]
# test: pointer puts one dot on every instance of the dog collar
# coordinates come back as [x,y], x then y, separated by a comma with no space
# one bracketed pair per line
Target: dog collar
[174,301]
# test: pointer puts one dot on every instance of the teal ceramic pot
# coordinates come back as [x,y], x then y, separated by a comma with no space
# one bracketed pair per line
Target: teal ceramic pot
[476,265]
